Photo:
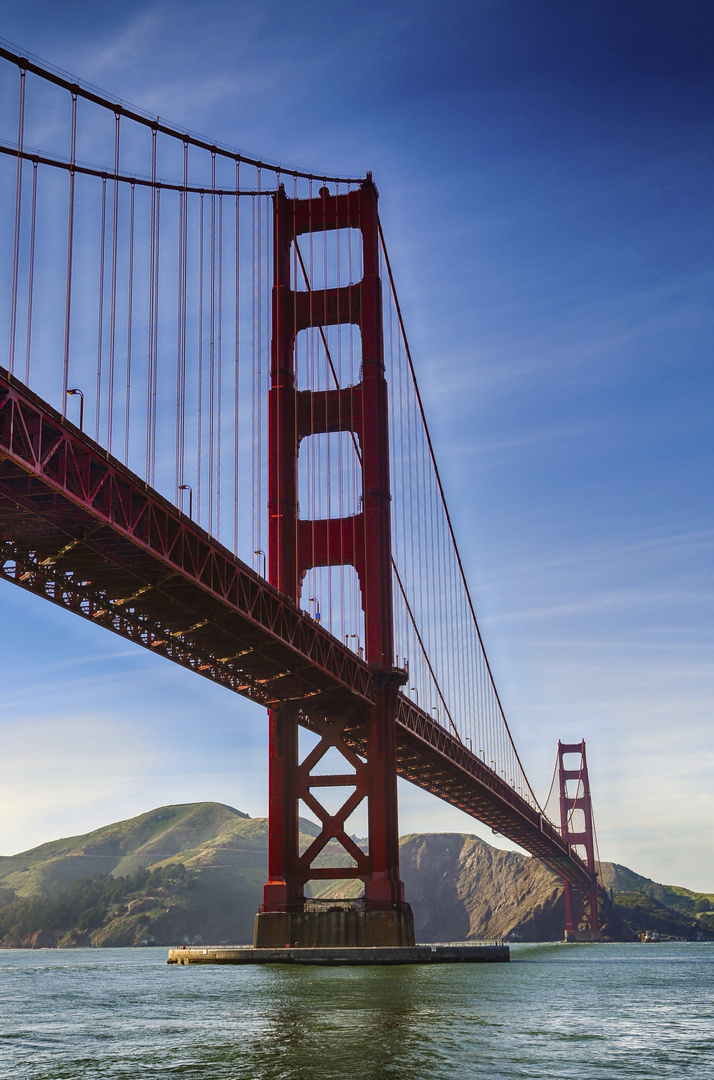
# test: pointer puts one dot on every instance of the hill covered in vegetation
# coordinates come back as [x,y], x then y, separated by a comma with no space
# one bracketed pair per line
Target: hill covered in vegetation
[670,910]
[211,860]
[194,874]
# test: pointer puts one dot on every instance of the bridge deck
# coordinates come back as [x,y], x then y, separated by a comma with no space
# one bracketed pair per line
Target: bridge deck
[78,528]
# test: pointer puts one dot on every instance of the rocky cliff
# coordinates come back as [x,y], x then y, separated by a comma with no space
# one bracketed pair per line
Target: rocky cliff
[461,888]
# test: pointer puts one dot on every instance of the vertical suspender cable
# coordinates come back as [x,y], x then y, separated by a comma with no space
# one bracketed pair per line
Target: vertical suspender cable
[70,251]
[150,323]
[253,381]
[181,328]
[299,384]
[154,389]
[462,575]
[18,218]
[326,483]
[199,404]
[236,373]
[113,297]
[219,364]
[259,332]
[355,460]
[212,346]
[31,272]
[152,273]
[310,339]
[340,445]
[100,307]
[129,321]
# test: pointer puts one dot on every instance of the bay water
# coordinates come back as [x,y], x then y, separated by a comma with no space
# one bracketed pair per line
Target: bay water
[562,1012]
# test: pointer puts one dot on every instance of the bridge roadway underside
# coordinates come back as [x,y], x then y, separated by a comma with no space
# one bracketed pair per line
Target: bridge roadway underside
[79,529]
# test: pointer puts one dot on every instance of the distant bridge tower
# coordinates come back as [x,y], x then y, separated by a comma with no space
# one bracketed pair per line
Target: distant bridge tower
[581,914]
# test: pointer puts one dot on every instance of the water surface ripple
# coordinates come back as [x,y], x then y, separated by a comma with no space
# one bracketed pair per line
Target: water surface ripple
[561,1012]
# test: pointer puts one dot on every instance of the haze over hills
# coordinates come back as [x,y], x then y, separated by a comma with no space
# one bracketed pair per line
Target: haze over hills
[194,873]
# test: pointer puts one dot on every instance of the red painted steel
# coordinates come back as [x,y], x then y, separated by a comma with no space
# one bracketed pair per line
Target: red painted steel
[80,530]
[581,914]
[66,503]
[362,540]
[433,758]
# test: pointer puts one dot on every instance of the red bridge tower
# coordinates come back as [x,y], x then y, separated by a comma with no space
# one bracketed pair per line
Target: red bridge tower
[581,914]
[363,541]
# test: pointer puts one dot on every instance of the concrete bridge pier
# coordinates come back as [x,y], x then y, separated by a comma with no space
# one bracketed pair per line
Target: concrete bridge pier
[334,924]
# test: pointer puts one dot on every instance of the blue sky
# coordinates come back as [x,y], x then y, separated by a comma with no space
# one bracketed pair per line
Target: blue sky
[545,173]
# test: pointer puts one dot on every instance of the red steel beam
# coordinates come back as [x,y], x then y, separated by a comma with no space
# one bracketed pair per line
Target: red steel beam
[126,533]
[436,760]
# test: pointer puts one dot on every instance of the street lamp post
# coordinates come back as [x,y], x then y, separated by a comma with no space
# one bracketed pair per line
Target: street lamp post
[189,489]
[259,551]
[71,393]
[316,602]
[359,647]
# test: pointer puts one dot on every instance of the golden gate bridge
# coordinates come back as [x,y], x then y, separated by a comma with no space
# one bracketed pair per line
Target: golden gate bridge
[212,442]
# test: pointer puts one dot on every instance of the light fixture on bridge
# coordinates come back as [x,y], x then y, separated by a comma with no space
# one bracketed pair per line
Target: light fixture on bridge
[316,602]
[71,393]
[359,647]
[189,489]
[416,694]
[259,551]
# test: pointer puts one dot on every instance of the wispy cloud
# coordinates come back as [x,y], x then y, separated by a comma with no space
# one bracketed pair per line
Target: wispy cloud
[132,45]
[581,345]
[70,774]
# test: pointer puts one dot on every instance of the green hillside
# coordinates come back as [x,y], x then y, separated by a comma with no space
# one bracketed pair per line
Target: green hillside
[188,830]
[686,902]
[222,851]
[194,874]
[669,909]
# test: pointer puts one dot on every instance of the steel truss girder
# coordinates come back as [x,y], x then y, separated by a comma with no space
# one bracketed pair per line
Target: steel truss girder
[58,486]
[436,760]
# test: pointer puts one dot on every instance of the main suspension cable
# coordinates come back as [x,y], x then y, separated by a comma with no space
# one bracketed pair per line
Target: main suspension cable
[446,510]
